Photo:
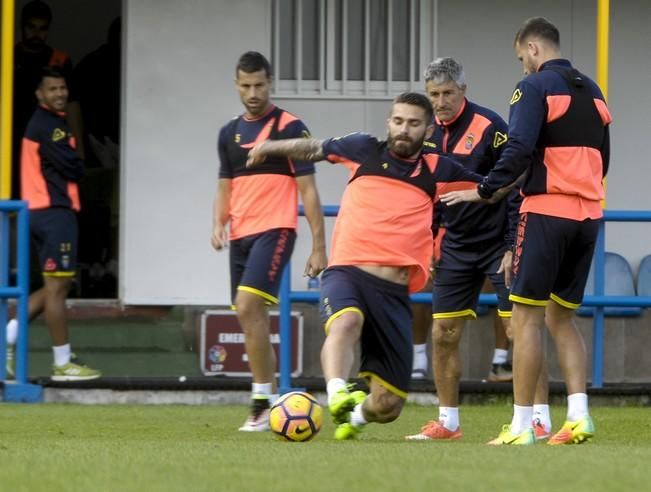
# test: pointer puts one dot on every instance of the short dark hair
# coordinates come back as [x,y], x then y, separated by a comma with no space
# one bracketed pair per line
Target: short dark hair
[35,10]
[50,71]
[538,27]
[416,99]
[252,61]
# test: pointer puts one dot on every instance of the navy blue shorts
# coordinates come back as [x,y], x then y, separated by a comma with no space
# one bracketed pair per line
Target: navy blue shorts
[552,259]
[258,261]
[54,236]
[460,275]
[386,342]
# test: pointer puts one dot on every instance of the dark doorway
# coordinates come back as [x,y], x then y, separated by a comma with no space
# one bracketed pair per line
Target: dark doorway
[89,34]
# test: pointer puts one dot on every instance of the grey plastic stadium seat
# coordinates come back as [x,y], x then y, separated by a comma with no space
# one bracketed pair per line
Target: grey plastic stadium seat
[619,282]
[644,277]
[482,310]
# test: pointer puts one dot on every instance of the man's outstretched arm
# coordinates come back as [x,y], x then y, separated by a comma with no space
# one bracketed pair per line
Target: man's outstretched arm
[303,149]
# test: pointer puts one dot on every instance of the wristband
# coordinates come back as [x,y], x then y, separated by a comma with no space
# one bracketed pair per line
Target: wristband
[483,190]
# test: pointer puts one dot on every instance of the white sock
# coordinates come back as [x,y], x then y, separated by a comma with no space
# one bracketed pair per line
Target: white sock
[541,412]
[261,390]
[500,356]
[450,417]
[420,356]
[522,419]
[357,416]
[577,406]
[12,332]
[334,385]
[61,355]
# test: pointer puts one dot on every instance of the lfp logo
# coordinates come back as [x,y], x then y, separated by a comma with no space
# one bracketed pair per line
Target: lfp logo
[217,354]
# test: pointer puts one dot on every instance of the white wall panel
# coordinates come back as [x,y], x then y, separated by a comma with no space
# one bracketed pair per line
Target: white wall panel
[179,92]
[180,59]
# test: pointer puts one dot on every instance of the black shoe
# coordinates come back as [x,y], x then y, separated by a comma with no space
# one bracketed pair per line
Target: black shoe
[501,373]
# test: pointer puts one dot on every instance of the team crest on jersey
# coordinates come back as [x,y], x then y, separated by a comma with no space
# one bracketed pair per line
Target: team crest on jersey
[50,265]
[470,139]
[58,134]
[499,139]
[517,95]
[385,165]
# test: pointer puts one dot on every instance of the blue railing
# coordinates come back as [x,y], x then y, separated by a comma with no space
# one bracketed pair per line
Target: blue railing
[18,390]
[599,300]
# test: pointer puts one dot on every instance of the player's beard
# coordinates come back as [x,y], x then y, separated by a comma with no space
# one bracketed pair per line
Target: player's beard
[58,104]
[408,148]
[256,107]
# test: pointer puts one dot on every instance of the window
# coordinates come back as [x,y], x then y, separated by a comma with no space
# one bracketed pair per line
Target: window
[351,48]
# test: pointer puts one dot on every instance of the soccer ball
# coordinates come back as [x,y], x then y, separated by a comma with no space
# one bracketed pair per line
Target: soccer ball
[296,416]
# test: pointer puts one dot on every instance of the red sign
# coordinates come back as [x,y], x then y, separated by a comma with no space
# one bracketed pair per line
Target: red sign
[222,343]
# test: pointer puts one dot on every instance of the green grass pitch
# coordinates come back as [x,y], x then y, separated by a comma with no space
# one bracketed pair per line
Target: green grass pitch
[54,447]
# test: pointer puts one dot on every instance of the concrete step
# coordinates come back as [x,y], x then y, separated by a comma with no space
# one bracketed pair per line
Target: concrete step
[124,363]
[120,346]
[114,334]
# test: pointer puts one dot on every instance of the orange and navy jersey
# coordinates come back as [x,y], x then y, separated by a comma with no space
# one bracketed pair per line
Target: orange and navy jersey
[475,138]
[262,197]
[50,168]
[385,216]
[558,134]
[27,74]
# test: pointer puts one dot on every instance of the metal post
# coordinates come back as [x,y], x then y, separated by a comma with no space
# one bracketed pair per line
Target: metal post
[20,390]
[4,282]
[599,299]
[285,356]
[598,326]
[23,300]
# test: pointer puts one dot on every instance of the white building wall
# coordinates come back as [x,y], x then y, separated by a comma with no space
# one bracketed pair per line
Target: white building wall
[180,59]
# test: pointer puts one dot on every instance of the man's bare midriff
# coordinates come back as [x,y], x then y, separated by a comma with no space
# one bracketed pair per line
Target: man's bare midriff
[396,274]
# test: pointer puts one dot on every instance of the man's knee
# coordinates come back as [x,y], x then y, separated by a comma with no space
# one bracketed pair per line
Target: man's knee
[504,324]
[347,325]
[248,304]
[557,315]
[446,333]
[386,406]
[57,287]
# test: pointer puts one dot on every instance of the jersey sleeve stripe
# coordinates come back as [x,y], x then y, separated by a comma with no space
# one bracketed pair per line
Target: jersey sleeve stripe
[264,134]
[285,119]
[606,117]
[473,135]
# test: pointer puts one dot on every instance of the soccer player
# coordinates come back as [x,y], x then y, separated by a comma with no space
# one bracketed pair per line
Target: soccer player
[381,250]
[260,207]
[477,243]
[31,54]
[50,171]
[558,137]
